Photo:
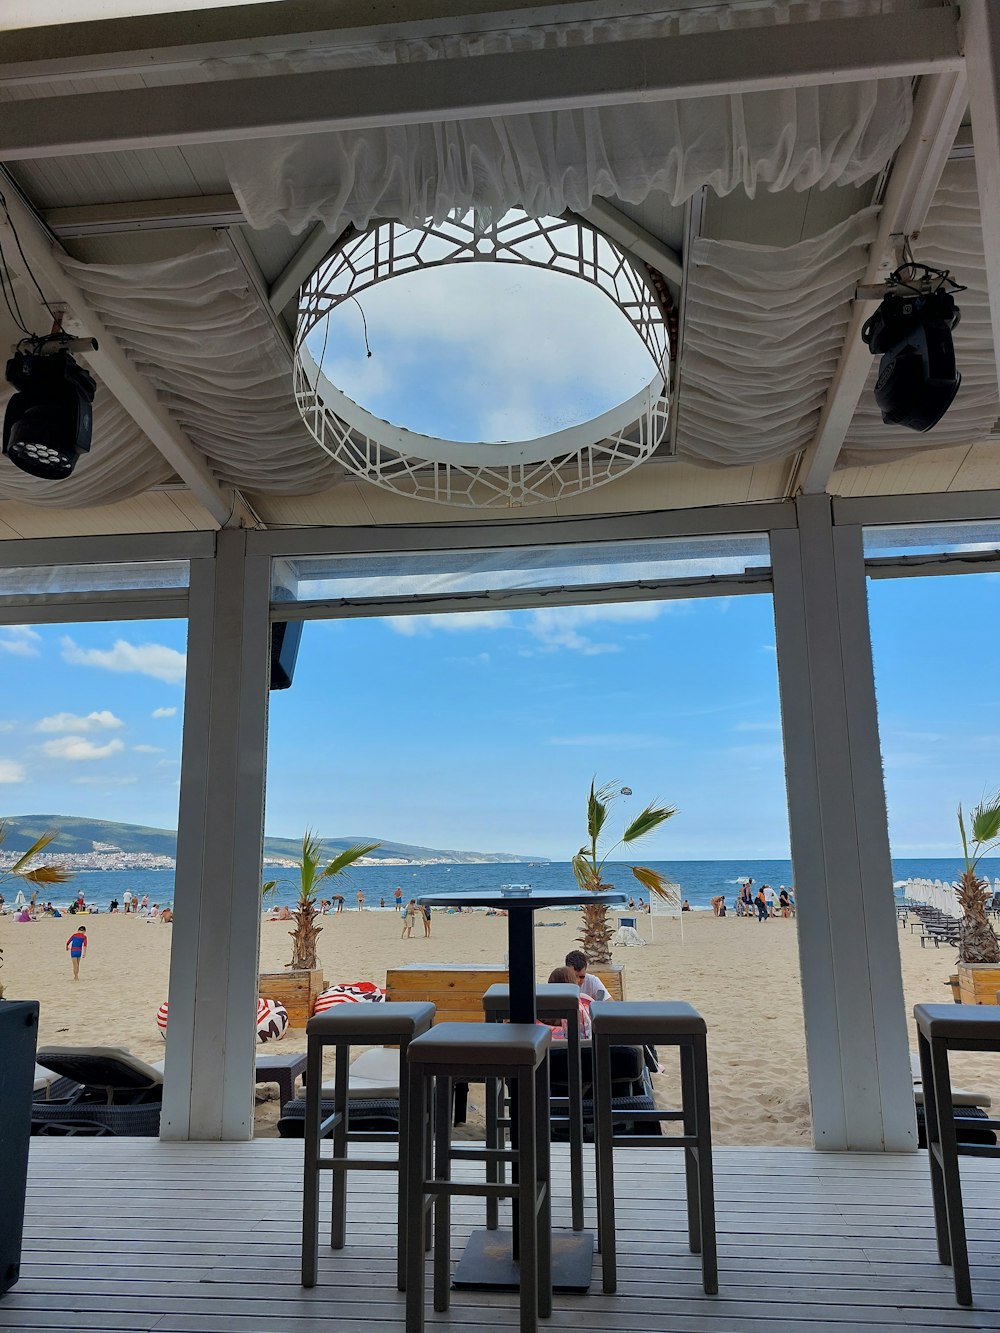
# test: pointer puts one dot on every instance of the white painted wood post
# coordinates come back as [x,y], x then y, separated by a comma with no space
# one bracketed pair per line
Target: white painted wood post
[214,958]
[852,991]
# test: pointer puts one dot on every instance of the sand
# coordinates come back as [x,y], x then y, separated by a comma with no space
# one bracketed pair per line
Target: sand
[742,976]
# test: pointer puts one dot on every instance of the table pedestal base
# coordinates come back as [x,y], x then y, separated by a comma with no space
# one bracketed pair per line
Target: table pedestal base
[488,1263]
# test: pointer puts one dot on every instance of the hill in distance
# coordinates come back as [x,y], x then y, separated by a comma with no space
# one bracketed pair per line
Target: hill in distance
[78,836]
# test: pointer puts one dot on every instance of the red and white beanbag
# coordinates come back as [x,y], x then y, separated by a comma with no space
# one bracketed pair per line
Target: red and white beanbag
[272,1020]
[349,992]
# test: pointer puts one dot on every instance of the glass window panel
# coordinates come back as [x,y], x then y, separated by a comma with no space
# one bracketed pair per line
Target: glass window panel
[94,578]
[446,573]
[932,538]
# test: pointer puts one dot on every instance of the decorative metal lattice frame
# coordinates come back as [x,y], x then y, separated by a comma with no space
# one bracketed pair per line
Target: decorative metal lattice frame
[483,475]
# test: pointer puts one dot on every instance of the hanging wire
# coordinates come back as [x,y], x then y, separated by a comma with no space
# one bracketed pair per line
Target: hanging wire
[364,324]
[27,267]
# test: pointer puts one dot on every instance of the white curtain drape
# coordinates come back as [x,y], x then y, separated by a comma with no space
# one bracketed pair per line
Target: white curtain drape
[547,162]
[194,329]
[764,330]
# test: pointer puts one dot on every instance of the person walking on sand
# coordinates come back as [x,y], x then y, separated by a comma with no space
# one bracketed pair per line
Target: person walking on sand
[361,899]
[409,919]
[398,895]
[426,914]
[761,902]
[127,901]
[77,947]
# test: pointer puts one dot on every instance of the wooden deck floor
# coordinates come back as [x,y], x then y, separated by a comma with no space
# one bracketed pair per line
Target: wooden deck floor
[132,1234]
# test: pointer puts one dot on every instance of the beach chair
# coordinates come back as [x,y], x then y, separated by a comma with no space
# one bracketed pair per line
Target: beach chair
[373,1088]
[119,1094]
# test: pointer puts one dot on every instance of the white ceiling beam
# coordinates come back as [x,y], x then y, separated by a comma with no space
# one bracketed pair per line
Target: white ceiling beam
[634,239]
[109,361]
[166,41]
[981,20]
[310,254]
[248,260]
[209,210]
[938,110]
[607,74]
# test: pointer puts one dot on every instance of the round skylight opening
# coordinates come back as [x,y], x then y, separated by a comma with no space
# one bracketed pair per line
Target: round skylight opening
[483,353]
[510,364]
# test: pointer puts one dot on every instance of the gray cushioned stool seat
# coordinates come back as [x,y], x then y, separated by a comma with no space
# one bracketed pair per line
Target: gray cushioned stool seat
[548,998]
[481,1045]
[392,1019]
[958,1021]
[648,1018]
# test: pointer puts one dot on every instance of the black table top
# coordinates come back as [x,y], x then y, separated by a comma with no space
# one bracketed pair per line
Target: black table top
[536,898]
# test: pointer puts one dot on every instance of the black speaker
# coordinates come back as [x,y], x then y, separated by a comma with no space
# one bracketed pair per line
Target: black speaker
[285,638]
[18,1040]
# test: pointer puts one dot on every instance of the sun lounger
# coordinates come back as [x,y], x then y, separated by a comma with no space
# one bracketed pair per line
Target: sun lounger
[373,1091]
[968,1110]
[119,1094]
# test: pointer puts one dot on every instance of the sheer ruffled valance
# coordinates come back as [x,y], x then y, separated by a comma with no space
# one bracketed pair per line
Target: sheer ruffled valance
[547,162]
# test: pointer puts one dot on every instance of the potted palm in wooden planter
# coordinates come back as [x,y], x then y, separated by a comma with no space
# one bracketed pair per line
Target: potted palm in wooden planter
[590,861]
[978,946]
[302,980]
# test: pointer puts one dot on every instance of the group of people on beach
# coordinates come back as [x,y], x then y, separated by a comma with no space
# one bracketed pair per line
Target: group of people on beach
[760,904]
[413,910]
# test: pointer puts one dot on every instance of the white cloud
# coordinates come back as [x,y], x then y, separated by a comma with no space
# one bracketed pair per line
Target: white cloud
[8,726]
[455,622]
[558,626]
[77,748]
[146,659]
[19,640]
[164,712]
[105,720]
[101,780]
[11,771]
[147,749]
[614,740]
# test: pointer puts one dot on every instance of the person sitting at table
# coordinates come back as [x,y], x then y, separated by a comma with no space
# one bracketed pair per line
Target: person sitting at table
[589,985]
[565,976]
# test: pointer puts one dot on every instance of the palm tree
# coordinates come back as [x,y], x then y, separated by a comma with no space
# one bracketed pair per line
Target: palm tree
[306,931]
[39,875]
[589,863]
[977,940]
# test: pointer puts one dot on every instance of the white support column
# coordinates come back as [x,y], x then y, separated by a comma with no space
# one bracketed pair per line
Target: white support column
[214,959]
[852,989]
[981,24]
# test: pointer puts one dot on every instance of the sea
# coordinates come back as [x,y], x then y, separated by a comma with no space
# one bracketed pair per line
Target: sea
[699,881]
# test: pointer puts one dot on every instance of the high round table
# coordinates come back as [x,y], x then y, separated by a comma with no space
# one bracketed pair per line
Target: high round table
[489,1259]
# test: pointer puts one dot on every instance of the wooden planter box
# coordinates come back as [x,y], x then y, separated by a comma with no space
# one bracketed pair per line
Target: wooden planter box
[979,982]
[457,988]
[297,991]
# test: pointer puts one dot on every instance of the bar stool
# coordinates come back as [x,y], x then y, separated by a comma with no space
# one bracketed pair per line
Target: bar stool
[342,1027]
[553,1003]
[942,1028]
[517,1054]
[663,1023]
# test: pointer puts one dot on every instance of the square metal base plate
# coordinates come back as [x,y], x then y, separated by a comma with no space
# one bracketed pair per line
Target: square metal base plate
[488,1261]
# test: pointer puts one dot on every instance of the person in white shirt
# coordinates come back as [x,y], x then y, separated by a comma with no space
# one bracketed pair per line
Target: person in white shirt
[589,985]
[127,900]
[769,899]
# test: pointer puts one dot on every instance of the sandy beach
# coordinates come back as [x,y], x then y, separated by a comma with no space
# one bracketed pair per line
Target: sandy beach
[742,976]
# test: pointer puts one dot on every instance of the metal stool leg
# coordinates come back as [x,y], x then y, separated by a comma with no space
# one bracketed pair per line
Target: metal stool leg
[690,1154]
[338,1209]
[706,1180]
[442,1199]
[951,1179]
[310,1175]
[933,1142]
[603,1134]
[527,1179]
[402,1210]
[494,1169]
[416,1130]
[543,1135]
[575,1091]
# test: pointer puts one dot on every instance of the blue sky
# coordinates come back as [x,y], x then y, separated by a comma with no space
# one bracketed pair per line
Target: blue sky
[482,731]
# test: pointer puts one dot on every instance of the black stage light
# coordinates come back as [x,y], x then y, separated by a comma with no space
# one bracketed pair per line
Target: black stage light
[917,377]
[49,421]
